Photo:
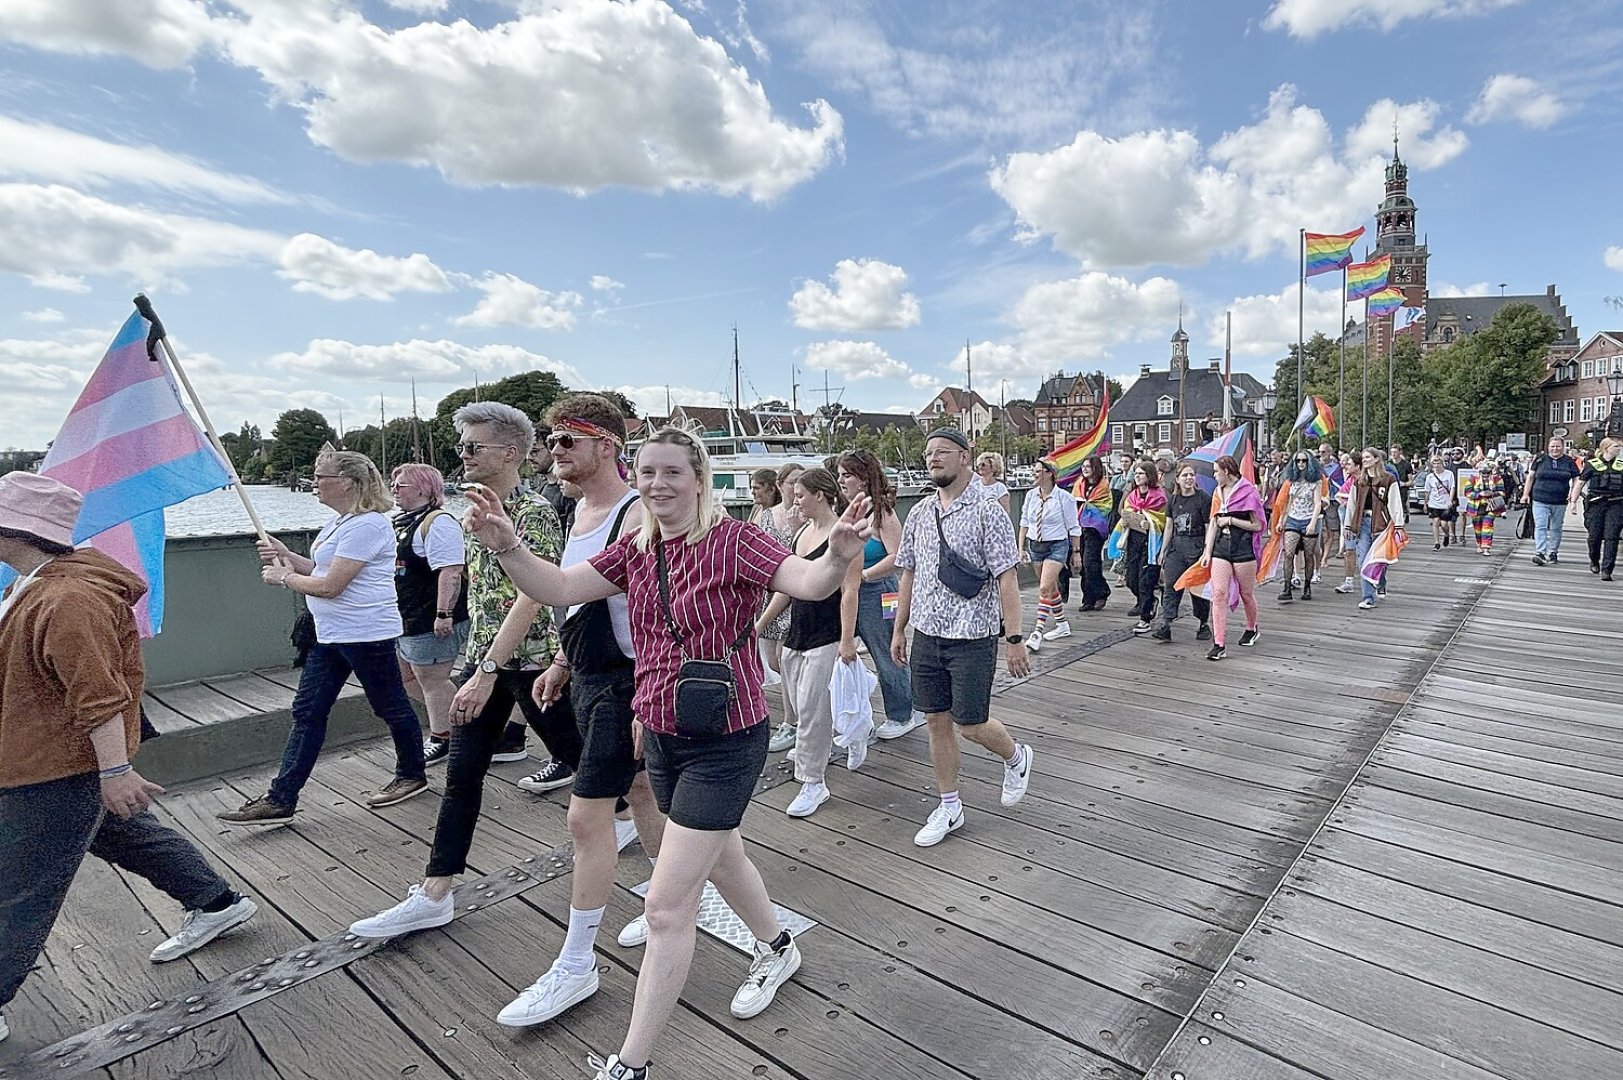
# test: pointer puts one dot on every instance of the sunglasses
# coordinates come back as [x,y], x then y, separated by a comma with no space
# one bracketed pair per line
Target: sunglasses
[565,440]
[478,447]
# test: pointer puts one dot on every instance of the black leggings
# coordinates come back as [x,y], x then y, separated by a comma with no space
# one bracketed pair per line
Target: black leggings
[1095,589]
[1603,519]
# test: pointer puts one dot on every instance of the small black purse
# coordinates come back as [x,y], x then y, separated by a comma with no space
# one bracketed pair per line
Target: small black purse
[954,571]
[705,689]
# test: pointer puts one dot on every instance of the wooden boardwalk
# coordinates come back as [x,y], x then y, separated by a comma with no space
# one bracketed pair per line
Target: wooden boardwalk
[1376,845]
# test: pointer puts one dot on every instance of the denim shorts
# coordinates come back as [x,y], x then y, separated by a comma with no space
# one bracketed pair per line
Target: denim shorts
[1049,550]
[954,675]
[608,756]
[426,650]
[1296,525]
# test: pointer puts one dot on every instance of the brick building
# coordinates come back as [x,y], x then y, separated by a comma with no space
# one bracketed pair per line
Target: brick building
[1065,407]
[1578,394]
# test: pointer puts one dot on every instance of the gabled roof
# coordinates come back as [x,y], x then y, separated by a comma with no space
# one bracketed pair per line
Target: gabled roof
[876,422]
[1203,393]
[1471,313]
[1056,390]
[955,399]
[1612,337]
[1021,420]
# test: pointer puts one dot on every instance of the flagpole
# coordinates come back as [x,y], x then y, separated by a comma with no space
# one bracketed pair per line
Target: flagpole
[1369,341]
[1301,313]
[1390,349]
[1341,389]
[144,306]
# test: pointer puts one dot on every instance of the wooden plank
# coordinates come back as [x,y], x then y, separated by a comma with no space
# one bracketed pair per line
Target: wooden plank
[255,691]
[164,718]
[1210,1053]
[1445,788]
[202,704]
[1439,724]
[1567,776]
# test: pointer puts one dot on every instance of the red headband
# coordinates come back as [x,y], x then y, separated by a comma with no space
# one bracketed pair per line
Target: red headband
[587,428]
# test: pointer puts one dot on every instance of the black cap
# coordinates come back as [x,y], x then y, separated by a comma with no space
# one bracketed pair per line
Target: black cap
[951,434]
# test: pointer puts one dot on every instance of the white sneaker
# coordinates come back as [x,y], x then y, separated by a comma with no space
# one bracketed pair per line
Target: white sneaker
[201,927]
[548,996]
[1034,641]
[625,833]
[812,795]
[1296,581]
[768,971]
[1346,586]
[941,823]
[612,1069]
[1317,577]
[1366,605]
[783,737]
[1017,777]
[415,912]
[1061,629]
[895,729]
[5,1029]
[634,933]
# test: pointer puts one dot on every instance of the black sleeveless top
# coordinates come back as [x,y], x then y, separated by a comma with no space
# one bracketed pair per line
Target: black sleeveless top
[813,623]
[416,584]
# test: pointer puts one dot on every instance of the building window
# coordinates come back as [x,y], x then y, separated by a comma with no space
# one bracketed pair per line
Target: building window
[1568,408]
[1585,411]
[1189,434]
[1589,369]
[1163,407]
[1448,334]
[1042,423]
[1164,436]
[1617,363]
[1603,407]
[1117,435]
[1141,432]
[1555,412]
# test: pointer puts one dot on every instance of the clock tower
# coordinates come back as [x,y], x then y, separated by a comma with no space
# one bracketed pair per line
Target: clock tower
[1395,236]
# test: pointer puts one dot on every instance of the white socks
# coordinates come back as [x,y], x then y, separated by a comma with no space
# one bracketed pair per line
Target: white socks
[577,951]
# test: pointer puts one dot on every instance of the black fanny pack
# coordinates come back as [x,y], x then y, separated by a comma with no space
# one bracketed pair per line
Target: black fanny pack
[954,571]
[705,689]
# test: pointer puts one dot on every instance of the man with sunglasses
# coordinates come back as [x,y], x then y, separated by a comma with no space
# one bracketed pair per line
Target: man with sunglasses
[546,482]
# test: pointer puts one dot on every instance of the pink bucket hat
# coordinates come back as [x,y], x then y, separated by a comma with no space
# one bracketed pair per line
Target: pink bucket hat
[39,506]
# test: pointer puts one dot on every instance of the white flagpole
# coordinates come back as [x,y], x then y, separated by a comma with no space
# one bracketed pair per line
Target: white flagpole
[144,306]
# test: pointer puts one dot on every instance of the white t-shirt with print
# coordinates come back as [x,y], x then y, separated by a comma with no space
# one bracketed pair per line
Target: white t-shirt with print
[366,610]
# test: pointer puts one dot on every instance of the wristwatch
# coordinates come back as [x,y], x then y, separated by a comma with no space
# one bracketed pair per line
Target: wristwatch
[487,666]
[1013,639]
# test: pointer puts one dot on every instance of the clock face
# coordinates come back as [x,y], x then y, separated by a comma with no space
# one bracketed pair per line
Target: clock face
[1403,273]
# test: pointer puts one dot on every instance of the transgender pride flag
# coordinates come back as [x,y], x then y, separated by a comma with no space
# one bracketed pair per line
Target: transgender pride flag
[131,449]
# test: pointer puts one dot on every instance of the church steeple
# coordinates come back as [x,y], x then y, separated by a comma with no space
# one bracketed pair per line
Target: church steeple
[1395,219]
[1180,348]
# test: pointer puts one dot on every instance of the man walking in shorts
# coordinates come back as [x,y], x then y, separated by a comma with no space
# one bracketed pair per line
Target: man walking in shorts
[960,591]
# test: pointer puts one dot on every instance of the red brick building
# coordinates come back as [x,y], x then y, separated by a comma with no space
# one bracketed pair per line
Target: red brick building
[1578,394]
[1065,407]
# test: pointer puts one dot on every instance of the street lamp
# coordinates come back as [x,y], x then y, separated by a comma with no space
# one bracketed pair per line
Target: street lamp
[1269,399]
[1614,418]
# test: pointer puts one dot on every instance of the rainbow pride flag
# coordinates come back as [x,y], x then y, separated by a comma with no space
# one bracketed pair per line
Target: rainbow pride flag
[1093,507]
[1386,302]
[1328,252]
[131,449]
[1316,418]
[1068,459]
[1368,278]
[887,604]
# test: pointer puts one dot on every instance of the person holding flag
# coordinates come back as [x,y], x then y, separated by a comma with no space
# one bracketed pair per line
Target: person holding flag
[1182,544]
[1374,512]
[1233,549]
[1096,503]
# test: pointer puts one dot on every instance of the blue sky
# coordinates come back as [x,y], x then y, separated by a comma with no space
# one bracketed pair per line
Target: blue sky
[326,198]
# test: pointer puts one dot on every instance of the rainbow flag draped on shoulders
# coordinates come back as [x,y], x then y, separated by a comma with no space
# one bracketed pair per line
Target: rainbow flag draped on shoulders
[1324,253]
[1154,509]
[1068,459]
[1317,418]
[1093,507]
[1368,278]
[130,447]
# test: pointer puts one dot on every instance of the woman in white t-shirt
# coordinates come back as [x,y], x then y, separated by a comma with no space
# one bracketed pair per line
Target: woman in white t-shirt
[348,585]
[989,478]
[432,594]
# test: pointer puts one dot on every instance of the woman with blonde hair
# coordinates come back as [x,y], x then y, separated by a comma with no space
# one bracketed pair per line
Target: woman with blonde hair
[989,477]
[694,581]
[432,594]
[348,586]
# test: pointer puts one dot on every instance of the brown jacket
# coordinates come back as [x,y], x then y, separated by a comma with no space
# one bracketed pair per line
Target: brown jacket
[1386,504]
[70,660]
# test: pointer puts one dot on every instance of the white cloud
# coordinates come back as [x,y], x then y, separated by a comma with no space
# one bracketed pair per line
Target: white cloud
[70,283]
[993,361]
[1082,318]
[1447,290]
[317,265]
[650,400]
[53,232]
[1424,146]
[604,283]
[1310,18]
[158,33]
[1159,197]
[920,381]
[44,315]
[1265,325]
[52,154]
[1614,257]
[854,360]
[428,360]
[419,7]
[1518,98]
[867,295]
[512,301]
[573,94]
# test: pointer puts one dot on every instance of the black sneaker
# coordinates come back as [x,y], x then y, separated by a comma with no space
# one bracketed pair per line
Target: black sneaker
[1555,559]
[435,749]
[1204,633]
[1594,568]
[1538,559]
[1217,653]
[1249,638]
[1162,633]
[260,811]
[511,751]
[553,776]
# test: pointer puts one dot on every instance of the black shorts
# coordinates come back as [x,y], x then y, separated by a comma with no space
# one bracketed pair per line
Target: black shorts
[954,675]
[1437,513]
[706,784]
[608,757]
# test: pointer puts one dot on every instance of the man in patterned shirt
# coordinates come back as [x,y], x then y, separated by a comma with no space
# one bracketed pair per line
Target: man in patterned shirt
[955,638]
[511,641]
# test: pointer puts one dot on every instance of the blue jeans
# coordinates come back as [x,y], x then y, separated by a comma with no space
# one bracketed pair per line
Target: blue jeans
[1366,540]
[875,630]
[326,670]
[1548,520]
[45,832]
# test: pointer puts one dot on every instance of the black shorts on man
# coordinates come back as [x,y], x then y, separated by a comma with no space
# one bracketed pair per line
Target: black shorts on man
[954,675]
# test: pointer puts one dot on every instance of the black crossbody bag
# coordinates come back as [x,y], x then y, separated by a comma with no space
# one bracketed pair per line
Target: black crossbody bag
[956,572]
[705,689]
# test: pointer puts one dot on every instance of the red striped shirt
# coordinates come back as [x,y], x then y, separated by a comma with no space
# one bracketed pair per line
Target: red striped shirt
[718,586]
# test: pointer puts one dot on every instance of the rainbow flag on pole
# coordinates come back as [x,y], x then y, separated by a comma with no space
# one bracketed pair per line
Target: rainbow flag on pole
[1328,252]
[131,449]
[1068,459]
[1386,302]
[1368,278]
[1316,418]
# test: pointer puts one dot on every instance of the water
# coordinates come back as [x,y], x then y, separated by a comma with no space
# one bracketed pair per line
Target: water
[220,513]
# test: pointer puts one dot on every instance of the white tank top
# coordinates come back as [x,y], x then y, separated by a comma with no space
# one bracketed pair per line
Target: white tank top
[580,547]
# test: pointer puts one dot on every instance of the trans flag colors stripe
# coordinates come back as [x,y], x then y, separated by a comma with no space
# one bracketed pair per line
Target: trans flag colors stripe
[1328,252]
[1316,418]
[1368,278]
[1236,443]
[130,447]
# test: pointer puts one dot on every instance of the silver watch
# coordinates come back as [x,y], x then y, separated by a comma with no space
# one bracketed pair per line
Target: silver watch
[487,666]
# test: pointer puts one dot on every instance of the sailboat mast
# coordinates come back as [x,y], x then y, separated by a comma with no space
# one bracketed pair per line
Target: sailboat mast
[738,385]
[383,438]
[416,426]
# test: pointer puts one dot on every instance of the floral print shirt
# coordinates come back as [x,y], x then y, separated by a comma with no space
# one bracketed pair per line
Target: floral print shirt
[491,593]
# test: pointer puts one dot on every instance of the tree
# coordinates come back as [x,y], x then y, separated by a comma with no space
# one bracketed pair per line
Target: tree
[1020,403]
[992,440]
[1025,448]
[1497,370]
[299,435]
[531,392]
[625,404]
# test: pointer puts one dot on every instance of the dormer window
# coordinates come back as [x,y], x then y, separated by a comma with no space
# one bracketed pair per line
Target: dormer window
[1163,407]
[1448,335]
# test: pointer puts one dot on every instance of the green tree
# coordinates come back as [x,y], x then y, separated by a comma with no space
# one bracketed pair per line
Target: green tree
[1497,370]
[531,392]
[1025,448]
[299,435]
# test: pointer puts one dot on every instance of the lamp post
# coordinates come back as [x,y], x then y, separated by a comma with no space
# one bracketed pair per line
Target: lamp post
[1614,417]
[1435,428]
[1269,399]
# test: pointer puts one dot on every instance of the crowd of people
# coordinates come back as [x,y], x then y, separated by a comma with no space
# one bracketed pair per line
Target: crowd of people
[634,628]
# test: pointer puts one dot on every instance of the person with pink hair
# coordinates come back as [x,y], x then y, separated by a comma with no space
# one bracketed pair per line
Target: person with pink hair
[432,595]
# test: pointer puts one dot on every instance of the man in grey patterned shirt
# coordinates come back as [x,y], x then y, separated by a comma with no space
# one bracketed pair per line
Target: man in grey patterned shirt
[954,656]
